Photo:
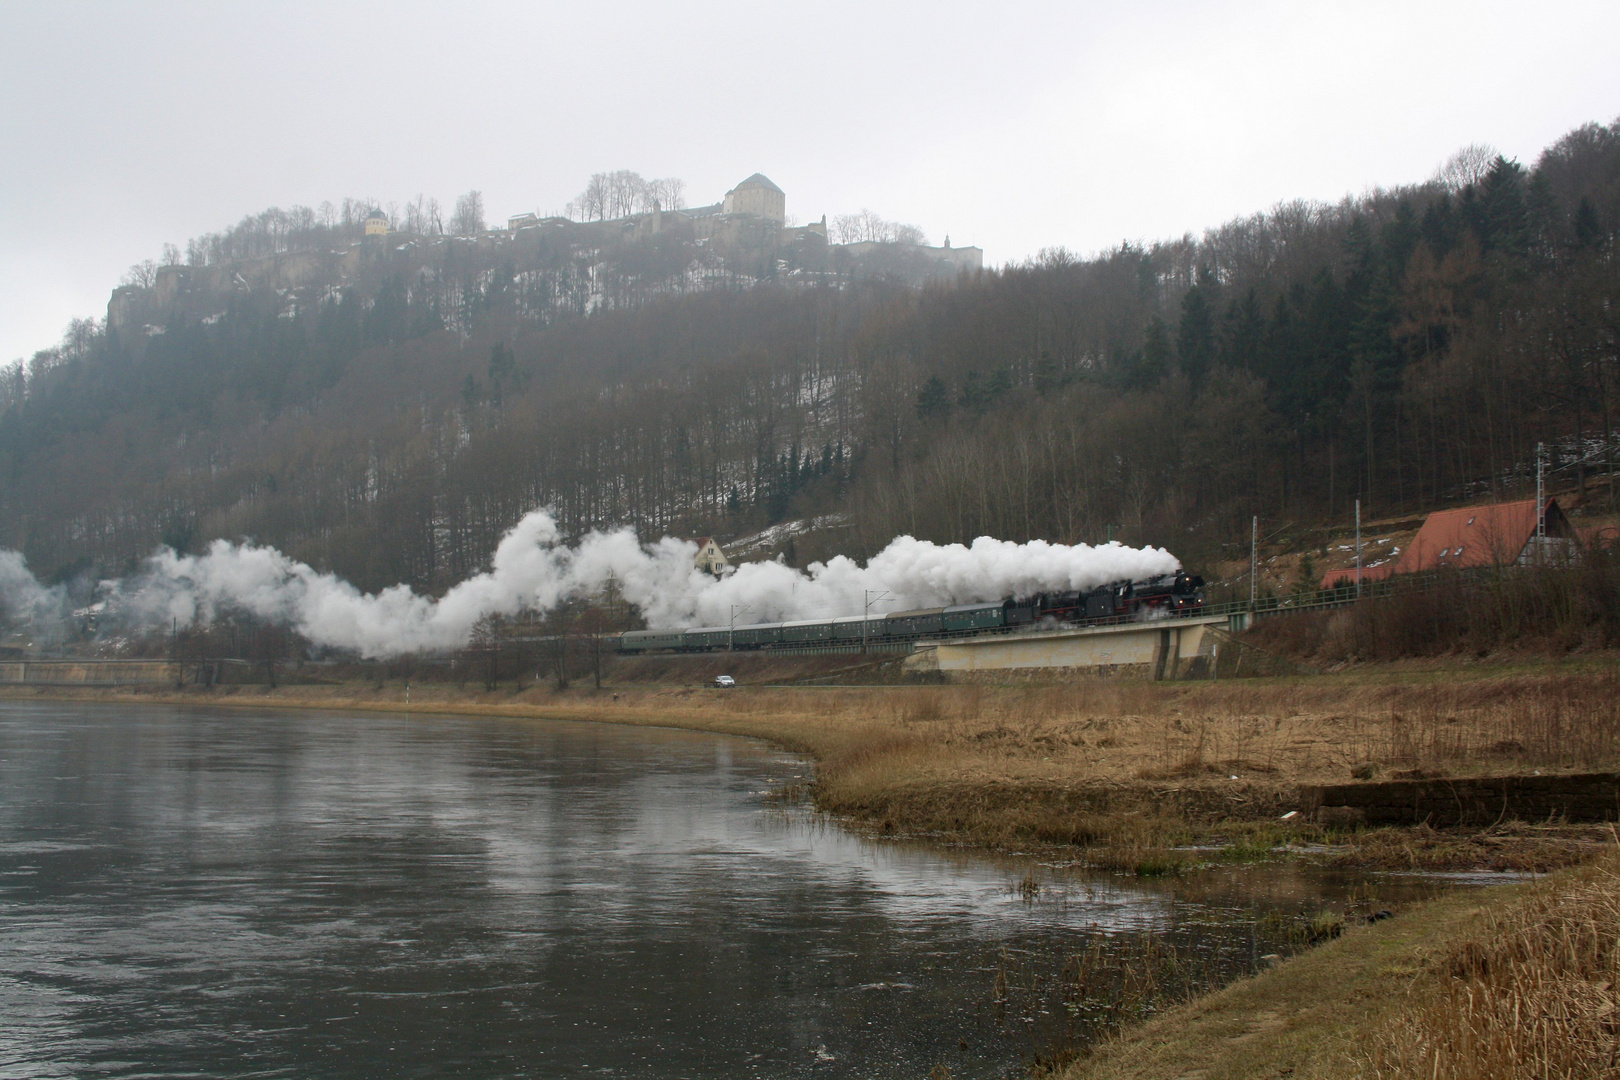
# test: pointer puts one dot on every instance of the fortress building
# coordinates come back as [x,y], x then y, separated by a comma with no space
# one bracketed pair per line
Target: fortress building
[755,197]
[758,196]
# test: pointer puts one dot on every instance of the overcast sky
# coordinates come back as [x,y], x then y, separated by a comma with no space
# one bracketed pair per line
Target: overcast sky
[1013,126]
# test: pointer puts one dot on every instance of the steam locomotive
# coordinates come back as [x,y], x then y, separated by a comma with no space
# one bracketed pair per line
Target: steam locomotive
[1178,594]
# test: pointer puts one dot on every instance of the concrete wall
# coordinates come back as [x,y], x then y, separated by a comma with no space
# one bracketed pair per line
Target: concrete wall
[1161,648]
[1479,801]
[86,672]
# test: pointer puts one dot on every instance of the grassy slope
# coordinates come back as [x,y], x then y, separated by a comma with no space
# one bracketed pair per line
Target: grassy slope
[1307,1018]
[1384,999]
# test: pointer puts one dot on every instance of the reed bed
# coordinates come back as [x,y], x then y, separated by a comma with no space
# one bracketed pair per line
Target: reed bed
[1533,990]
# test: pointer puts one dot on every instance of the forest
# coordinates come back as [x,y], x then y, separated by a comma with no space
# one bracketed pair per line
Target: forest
[389,417]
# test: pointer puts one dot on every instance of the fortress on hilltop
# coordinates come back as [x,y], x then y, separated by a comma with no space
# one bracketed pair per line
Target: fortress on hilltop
[754,214]
[545,266]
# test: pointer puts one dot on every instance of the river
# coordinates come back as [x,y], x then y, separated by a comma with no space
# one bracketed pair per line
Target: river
[210,892]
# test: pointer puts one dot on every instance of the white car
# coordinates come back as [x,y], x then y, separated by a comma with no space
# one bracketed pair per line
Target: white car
[724,682]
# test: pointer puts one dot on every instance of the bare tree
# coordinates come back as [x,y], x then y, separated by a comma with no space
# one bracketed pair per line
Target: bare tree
[484,649]
[422,216]
[469,215]
[867,227]
[79,336]
[13,384]
[1467,166]
[621,193]
[669,193]
[143,275]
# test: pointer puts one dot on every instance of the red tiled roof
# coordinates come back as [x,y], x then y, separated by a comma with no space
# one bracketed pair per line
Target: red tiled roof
[1474,536]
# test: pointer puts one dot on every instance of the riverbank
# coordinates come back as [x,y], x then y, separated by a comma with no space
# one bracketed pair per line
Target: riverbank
[1151,778]
[1120,774]
[1520,980]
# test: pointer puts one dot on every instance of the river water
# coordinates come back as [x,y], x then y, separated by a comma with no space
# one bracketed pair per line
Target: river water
[199,892]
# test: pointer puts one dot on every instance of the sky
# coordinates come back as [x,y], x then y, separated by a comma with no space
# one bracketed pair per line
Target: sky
[1014,126]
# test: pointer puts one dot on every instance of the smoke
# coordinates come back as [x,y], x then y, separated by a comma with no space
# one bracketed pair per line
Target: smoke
[24,599]
[533,570]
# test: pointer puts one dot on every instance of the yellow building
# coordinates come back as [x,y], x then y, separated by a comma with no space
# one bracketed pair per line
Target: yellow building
[710,559]
[758,196]
[376,223]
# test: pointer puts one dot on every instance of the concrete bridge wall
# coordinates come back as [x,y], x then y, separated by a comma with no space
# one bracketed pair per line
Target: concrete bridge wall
[1162,649]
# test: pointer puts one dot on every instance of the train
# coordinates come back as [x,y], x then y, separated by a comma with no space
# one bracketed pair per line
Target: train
[1178,594]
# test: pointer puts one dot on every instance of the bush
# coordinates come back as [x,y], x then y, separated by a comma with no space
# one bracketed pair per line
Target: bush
[1554,609]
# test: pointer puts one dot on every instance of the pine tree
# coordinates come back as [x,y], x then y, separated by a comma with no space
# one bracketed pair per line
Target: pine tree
[1195,337]
[934,399]
[1587,226]
[1243,329]
[1152,363]
[1504,209]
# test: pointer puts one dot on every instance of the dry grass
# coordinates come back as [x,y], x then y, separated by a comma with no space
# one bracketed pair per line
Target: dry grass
[1512,982]
[1530,990]
[1552,611]
[1126,769]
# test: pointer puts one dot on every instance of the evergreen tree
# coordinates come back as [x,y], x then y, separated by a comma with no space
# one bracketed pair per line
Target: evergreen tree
[1243,330]
[1152,363]
[1504,210]
[934,399]
[1048,375]
[1587,227]
[976,395]
[1195,337]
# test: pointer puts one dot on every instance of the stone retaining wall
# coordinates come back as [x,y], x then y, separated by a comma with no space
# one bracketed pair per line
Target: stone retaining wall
[1479,801]
[86,672]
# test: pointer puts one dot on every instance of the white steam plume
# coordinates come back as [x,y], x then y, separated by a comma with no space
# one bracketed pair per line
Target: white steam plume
[22,597]
[532,570]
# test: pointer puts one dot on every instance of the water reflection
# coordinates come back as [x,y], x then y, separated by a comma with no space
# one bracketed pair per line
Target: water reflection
[193,891]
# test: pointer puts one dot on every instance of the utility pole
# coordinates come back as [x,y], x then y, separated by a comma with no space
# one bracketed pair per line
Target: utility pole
[1254,556]
[866,610]
[1358,549]
[174,652]
[1541,503]
[731,635]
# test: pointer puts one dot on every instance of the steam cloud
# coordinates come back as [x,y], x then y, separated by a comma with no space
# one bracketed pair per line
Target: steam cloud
[533,570]
[21,595]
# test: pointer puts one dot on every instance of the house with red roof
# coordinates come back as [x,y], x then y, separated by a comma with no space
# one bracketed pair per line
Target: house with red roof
[1502,534]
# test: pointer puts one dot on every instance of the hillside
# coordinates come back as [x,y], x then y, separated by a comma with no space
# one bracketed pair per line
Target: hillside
[385,407]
